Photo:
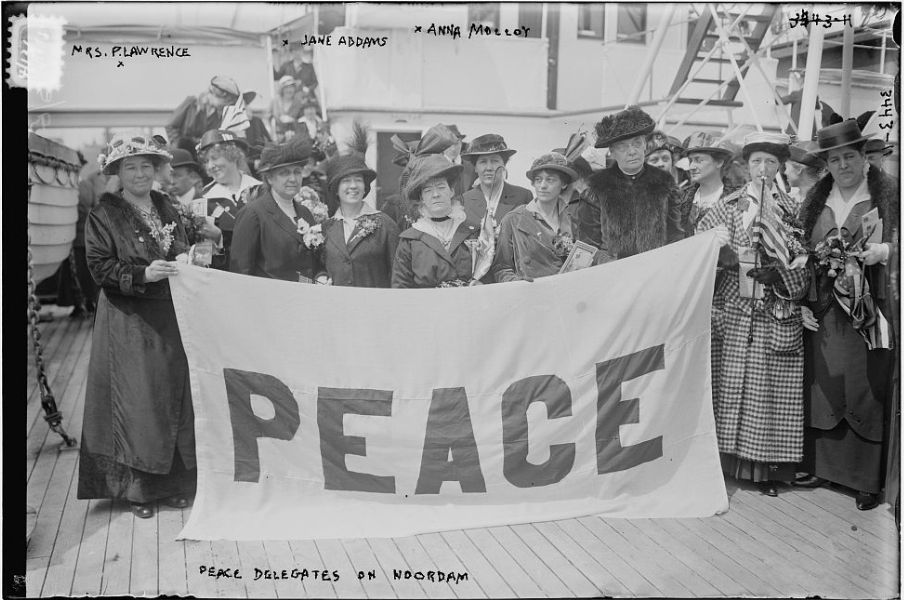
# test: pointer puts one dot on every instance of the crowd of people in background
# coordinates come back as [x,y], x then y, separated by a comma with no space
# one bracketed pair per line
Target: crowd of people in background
[804,308]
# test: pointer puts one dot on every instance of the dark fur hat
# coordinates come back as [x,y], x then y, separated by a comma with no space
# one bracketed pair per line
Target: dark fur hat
[343,166]
[623,125]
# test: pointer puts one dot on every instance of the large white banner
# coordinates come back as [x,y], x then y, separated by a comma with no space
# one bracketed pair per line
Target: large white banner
[329,412]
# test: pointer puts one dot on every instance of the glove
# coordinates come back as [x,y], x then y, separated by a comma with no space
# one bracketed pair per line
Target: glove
[765,276]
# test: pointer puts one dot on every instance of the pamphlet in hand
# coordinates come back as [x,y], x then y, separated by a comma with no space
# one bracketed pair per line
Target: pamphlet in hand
[872,226]
[580,257]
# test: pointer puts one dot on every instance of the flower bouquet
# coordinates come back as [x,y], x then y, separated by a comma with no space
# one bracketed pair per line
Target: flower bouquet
[311,201]
[562,245]
[312,234]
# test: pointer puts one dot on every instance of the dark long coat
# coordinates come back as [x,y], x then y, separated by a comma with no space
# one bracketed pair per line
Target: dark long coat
[266,242]
[137,402]
[525,246]
[363,261]
[422,261]
[861,398]
[475,203]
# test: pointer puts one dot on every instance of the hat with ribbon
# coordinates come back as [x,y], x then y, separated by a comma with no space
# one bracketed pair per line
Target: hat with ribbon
[623,125]
[806,153]
[228,89]
[552,161]
[296,151]
[776,144]
[489,143]
[183,158]
[342,166]
[701,141]
[873,146]
[126,144]
[219,136]
[846,133]
[422,169]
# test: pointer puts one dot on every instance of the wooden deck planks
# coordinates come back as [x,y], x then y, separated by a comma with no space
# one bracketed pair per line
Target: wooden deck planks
[118,559]
[554,561]
[391,560]
[307,556]
[254,560]
[334,558]
[172,575]
[199,554]
[64,556]
[35,572]
[226,555]
[363,560]
[145,559]
[279,555]
[89,568]
[418,559]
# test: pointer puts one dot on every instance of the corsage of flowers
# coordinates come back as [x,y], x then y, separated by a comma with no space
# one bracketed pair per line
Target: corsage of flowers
[312,234]
[164,236]
[190,221]
[562,244]
[311,201]
[367,224]
[831,254]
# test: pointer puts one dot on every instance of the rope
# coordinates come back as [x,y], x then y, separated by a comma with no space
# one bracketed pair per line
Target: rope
[52,415]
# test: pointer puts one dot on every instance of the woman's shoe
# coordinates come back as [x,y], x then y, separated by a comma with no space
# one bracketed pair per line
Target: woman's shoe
[768,488]
[142,511]
[867,501]
[809,481]
[177,502]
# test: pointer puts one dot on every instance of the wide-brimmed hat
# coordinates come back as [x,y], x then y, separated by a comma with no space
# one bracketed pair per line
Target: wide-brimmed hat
[658,140]
[806,153]
[344,166]
[701,141]
[623,125]
[127,144]
[219,136]
[225,87]
[422,169]
[296,151]
[878,146]
[183,158]
[776,144]
[286,81]
[839,135]
[489,143]
[309,101]
[552,161]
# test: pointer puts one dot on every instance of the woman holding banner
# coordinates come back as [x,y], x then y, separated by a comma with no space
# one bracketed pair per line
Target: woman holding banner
[138,438]
[432,252]
[535,238]
[359,242]
[848,345]
[758,376]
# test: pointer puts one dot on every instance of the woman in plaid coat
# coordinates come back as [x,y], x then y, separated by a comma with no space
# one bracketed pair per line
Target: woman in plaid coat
[758,374]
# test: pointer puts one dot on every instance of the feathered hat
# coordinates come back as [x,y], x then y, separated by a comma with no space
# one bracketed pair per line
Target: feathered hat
[127,144]
[623,125]
[422,169]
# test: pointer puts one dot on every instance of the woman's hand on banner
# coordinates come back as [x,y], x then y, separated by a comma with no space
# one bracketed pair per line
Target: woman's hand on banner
[159,269]
[722,234]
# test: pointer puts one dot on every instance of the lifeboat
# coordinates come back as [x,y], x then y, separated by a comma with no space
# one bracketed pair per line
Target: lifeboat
[53,171]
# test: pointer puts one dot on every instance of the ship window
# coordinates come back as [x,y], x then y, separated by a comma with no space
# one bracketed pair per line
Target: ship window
[592,20]
[632,23]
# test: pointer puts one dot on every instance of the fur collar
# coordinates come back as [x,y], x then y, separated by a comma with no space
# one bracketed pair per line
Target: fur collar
[882,190]
[635,208]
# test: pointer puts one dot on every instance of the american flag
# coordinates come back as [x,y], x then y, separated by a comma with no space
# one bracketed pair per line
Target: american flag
[234,117]
[771,235]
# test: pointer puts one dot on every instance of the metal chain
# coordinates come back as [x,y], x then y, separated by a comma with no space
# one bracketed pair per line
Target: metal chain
[52,415]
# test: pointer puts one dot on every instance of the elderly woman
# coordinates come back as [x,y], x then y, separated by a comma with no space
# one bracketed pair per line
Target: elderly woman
[535,239]
[663,152]
[758,378]
[224,157]
[273,235]
[848,363]
[360,242]
[432,252]
[138,433]
[804,169]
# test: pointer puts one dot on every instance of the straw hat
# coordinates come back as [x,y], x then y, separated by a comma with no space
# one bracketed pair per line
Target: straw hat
[127,144]
[839,135]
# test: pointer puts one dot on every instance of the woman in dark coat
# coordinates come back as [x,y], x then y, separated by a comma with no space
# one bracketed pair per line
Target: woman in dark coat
[360,242]
[535,239]
[138,433]
[432,252]
[846,379]
[275,236]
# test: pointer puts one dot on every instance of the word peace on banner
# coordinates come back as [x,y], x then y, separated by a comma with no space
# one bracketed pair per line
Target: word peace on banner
[328,412]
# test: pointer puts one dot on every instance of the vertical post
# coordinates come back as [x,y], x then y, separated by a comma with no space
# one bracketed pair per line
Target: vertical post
[882,55]
[847,66]
[644,71]
[811,83]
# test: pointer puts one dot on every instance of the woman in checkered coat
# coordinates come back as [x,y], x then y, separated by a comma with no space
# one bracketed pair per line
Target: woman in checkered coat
[758,375]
